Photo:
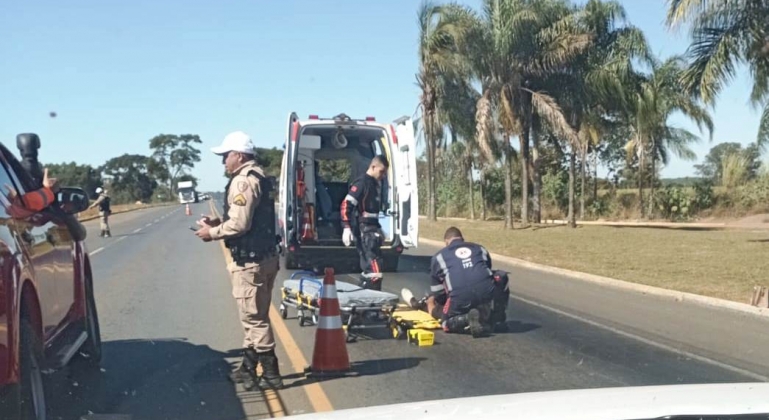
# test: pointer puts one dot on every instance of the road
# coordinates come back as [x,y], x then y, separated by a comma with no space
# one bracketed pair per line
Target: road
[171,333]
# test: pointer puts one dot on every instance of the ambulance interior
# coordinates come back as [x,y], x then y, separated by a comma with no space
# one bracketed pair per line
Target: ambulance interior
[331,157]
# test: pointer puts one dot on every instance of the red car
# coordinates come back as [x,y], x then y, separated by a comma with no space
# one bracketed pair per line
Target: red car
[47,308]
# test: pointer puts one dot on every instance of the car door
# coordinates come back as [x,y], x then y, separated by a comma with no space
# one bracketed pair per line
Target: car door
[37,233]
[404,161]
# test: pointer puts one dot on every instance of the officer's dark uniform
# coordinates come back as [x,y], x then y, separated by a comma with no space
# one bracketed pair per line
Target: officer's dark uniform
[364,196]
[462,279]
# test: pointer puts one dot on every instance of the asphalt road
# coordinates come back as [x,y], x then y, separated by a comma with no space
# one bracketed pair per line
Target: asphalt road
[171,333]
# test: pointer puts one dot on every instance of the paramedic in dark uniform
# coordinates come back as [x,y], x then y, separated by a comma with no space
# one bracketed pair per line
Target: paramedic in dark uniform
[248,230]
[463,287]
[365,197]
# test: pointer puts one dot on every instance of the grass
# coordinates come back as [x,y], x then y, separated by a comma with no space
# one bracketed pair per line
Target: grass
[720,263]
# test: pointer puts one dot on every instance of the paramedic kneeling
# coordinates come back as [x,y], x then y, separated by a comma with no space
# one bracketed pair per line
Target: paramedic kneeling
[365,197]
[464,288]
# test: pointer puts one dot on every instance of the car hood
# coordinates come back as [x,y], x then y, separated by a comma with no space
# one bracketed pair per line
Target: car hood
[625,403]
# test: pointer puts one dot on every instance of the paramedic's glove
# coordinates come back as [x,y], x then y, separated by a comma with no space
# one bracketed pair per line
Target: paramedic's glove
[347,236]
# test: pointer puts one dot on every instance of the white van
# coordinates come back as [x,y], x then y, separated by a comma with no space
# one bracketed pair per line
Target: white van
[323,156]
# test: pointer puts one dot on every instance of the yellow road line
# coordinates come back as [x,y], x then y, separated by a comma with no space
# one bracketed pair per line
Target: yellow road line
[315,394]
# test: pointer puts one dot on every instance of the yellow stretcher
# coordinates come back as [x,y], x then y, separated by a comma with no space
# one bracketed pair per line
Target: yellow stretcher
[415,326]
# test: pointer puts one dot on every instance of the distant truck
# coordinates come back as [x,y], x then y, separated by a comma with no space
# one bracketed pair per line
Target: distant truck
[187,193]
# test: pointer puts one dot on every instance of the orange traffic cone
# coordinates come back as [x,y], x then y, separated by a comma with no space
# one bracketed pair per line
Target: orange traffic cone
[187,210]
[329,356]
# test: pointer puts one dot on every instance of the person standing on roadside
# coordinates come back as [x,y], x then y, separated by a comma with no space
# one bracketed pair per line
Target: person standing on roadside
[248,231]
[104,211]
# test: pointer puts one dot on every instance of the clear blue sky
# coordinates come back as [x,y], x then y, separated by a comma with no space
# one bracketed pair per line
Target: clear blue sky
[118,73]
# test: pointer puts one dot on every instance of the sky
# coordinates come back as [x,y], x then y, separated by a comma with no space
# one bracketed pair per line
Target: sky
[119,73]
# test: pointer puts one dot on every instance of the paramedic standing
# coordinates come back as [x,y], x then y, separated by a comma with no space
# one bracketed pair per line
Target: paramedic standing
[104,211]
[248,230]
[365,197]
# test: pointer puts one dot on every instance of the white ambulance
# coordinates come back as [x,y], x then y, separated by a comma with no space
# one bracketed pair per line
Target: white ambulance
[322,157]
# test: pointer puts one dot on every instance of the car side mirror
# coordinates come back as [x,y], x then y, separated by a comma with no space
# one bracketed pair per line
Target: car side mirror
[72,200]
[405,148]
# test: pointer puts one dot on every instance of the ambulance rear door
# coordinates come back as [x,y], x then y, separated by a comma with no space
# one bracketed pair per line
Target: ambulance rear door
[405,164]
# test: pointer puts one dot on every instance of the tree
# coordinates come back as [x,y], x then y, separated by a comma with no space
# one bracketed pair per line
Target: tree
[175,153]
[712,165]
[505,50]
[724,34]
[270,160]
[657,99]
[75,175]
[130,178]
[435,58]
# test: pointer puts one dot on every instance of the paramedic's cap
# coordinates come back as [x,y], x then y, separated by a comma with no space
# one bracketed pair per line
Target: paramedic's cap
[237,141]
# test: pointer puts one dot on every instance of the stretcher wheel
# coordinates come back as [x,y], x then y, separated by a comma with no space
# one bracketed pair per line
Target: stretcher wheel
[300,317]
[399,332]
[283,311]
[314,319]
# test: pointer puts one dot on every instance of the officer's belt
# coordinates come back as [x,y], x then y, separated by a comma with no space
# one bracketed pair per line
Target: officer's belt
[254,257]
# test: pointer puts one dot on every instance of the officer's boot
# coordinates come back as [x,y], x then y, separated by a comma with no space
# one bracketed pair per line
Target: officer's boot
[246,373]
[499,315]
[107,233]
[101,234]
[270,371]
[461,323]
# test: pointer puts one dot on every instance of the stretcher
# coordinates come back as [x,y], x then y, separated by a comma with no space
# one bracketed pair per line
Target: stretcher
[414,325]
[360,308]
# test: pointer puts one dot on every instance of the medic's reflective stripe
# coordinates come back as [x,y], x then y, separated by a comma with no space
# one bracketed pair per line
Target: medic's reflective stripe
[351,199]
[445,269]
[372,215]
[436,288]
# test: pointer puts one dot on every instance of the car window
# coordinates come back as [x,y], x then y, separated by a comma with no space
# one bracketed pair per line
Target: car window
[10,193]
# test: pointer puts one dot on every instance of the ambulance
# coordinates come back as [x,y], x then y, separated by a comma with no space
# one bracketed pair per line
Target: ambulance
[322,157]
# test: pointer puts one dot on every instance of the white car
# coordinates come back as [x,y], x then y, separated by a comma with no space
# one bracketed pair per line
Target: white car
[309,220]
[723,401]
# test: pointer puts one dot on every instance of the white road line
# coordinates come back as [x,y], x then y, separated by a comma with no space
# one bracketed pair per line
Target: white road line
[96,251]
[156,220]
[120,239]
[148,225]
[649,342]
[137,230]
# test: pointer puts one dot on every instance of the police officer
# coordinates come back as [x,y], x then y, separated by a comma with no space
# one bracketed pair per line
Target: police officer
[365,197]
[248,230]
[465,292]
[104,211]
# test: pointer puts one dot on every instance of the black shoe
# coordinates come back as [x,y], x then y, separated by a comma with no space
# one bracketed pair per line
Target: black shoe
[501,327]
[246,373]
[108,234]
[101,234]
[474,321]
[270,371]
[371,283]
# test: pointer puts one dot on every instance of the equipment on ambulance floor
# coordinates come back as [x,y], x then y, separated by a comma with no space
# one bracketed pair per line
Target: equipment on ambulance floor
[348,145]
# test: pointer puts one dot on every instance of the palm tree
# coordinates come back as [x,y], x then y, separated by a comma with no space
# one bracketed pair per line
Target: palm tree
[503,51]
[435,59]
[657,99]
[593,85]
[723,35]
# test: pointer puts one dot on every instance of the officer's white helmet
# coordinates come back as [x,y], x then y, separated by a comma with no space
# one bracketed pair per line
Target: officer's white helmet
[99,190]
